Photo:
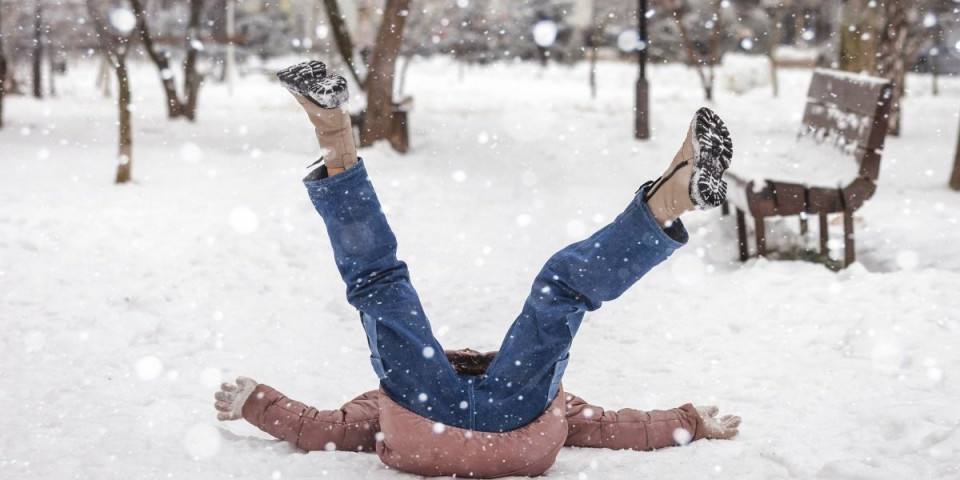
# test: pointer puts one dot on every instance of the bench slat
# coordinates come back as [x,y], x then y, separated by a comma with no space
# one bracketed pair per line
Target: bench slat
[852,93]
[848,108]
[824,200]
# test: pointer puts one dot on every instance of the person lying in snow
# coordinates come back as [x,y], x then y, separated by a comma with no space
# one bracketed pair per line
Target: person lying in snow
[464,413]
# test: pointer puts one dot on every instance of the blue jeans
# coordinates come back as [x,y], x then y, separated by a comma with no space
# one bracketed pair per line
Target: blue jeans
[525,375]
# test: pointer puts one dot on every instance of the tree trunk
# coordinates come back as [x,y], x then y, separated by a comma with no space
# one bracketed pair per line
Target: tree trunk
[125,142]
[341,36]
[103,76]
[52,77]
[774,39]
[3,81]
[3,70]
[191,78]
[891,62]
[378,116]
[159,59]
[858,44]
[230,62]
[774,78]
[115,49]
[593,72]
[594,38]
[955,178]
[38,51]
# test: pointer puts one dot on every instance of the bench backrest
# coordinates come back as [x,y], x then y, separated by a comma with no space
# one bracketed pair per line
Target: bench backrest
[851,111]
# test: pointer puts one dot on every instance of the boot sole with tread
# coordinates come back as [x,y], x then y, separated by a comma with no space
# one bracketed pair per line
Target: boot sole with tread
[713,152]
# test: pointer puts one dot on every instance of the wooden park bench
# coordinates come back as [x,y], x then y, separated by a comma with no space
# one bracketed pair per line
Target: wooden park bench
[846,111]
[399,137]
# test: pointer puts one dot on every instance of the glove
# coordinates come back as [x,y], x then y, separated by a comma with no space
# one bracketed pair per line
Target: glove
[722,428]
[231,397]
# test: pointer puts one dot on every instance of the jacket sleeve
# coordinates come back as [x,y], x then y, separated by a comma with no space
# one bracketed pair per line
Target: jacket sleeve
[352,428]
[592,426]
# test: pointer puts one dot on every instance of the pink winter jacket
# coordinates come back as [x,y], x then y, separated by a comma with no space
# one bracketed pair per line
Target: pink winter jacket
[411,443]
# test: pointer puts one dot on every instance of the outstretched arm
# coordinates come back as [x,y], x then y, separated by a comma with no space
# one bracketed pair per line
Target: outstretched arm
[351,428]
[593,426]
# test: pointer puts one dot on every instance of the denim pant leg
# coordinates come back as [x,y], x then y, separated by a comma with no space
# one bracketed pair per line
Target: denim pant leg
[525,375]
[406,356]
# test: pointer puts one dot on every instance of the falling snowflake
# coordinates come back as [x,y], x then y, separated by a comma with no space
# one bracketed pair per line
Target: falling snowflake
[123,20]
[628,40]
[545,33]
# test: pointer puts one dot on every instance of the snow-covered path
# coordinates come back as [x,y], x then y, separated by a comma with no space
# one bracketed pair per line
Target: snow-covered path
[123,308]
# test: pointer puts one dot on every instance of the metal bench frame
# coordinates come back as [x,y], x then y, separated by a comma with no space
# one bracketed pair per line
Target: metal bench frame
[850,111]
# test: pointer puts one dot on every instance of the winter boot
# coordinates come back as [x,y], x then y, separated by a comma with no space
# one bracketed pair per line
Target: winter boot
[324,99]
[693,179]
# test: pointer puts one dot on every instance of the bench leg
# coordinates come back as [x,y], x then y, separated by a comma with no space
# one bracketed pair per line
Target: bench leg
[761,235]
[742,236]
[824,236]
[399,135]
[849,253]
[725,209]
[803,225]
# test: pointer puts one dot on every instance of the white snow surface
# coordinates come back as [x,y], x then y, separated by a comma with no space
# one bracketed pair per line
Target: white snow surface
[123,307]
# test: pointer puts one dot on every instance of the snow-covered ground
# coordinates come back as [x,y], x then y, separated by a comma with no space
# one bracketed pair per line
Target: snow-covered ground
[123,307]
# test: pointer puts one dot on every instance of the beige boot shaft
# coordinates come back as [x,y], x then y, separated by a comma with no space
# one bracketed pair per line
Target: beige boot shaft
[334,133]
[671,193]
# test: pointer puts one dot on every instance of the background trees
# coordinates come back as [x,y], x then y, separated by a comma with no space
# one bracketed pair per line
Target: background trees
[186,40]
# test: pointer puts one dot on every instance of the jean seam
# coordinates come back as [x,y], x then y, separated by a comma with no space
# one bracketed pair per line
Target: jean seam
[472,406]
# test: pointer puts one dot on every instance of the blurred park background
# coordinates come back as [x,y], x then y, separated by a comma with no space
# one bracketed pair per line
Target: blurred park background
[194,44]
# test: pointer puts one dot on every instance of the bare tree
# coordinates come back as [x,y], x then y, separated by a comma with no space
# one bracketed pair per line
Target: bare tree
[3,68]
[178,105]
[955,178]
[705,66]
[891,61]
[778,14]
[115,47]
[38,50]
[594,36]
